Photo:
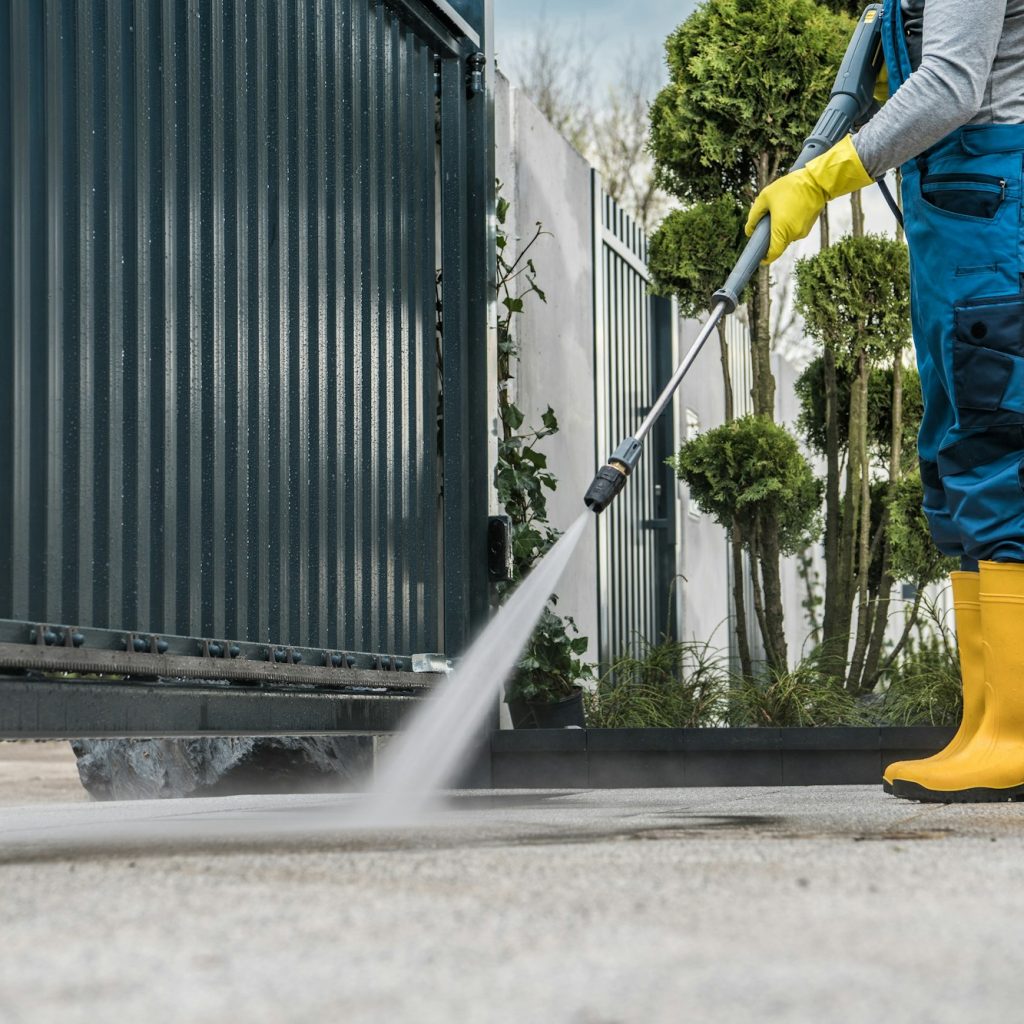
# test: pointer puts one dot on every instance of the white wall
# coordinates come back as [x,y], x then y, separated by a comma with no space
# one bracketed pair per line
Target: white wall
[546,180]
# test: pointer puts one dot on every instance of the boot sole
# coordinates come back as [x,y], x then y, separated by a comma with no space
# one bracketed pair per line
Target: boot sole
[979,795]
[886,787]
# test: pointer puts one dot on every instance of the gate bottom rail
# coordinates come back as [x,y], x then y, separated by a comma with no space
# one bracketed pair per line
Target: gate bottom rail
[100,709]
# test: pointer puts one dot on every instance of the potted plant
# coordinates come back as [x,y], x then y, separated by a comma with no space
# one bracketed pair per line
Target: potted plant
[545,692]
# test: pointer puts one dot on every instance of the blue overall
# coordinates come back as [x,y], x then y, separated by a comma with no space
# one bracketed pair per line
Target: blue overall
[962,205]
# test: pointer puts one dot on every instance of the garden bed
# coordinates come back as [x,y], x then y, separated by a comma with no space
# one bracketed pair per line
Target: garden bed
[625,758]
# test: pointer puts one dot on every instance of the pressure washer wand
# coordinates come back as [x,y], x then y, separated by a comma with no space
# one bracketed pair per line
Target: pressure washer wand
[851,103]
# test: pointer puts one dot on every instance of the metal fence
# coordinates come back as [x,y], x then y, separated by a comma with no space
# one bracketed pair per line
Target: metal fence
[226,408]
[634,350]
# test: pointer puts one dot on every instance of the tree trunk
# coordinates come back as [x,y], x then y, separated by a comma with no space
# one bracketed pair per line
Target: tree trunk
[742,643]
[896,455]
[846,545]
[860,526]
[762,621]
[880,620]
[760,309]
[908,626]
[882,604]
[761,347]
[775,632]
[735,537]
[857,209]
[834,627]
[755,350]
[730,403]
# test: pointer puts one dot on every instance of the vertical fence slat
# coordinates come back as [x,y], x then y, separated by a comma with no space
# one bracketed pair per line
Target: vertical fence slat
[51,583]
[320,623]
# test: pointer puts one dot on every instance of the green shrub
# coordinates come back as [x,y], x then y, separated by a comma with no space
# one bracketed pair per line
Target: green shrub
[752,474]
[915,558]
[854,297]
[693,250]
[668,685]
[811,424]
[924,686]
[801,697]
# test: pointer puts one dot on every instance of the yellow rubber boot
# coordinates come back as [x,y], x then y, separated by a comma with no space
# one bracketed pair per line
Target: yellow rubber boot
[990,765]
[972,669]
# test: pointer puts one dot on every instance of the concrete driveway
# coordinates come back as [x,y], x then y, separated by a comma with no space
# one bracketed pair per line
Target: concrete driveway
[825,904]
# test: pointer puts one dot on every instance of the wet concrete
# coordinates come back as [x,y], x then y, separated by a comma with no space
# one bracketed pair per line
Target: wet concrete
[38,771]
[834,904]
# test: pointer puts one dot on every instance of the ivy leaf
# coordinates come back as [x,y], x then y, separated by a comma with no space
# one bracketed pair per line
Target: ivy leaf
[513,416]
[513,305]
[549,419]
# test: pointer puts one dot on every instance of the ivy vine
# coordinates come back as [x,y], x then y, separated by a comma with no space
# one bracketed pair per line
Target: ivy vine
[522,476]
[551,666]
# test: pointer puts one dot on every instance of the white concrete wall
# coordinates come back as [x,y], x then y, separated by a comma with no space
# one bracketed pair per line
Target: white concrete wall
[546,180]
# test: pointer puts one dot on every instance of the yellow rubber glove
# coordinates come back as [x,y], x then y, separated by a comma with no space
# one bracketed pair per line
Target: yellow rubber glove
[797,198]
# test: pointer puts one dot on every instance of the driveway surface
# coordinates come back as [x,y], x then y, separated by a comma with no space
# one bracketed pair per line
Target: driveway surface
[824,904]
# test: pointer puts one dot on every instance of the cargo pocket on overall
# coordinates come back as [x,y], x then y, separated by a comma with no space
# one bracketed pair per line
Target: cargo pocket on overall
[969,222]
[975,196]
[988,361]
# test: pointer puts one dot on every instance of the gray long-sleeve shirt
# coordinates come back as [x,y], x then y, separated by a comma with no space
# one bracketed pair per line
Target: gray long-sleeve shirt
[968,58]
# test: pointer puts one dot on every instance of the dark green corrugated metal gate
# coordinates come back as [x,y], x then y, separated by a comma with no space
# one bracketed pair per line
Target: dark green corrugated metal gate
[227,411]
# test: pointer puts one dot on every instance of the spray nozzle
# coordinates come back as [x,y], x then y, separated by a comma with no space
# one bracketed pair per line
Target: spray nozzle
[608,482]
[611,478]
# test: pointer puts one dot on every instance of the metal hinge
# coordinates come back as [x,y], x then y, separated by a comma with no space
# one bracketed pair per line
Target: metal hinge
[499,549]
[475,73]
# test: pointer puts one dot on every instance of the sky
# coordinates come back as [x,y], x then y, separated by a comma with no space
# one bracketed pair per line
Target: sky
[609,25]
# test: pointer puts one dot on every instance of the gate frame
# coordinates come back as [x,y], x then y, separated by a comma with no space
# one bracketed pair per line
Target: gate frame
[334,692]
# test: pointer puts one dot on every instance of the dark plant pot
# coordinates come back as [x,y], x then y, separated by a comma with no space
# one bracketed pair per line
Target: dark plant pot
[548,714]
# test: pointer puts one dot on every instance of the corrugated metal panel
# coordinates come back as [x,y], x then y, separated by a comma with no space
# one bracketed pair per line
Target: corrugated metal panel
[631,562]
[218,380]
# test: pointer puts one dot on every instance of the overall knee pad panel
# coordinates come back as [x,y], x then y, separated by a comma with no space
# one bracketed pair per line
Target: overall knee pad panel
[988,362]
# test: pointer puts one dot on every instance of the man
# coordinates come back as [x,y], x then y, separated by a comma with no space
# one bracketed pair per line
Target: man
[954,122]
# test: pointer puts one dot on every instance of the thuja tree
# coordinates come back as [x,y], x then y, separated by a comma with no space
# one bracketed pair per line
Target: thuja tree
[747,79]
[691,254]
[751,476]
[855,300]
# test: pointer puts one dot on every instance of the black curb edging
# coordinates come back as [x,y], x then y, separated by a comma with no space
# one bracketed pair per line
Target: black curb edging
[628,758]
